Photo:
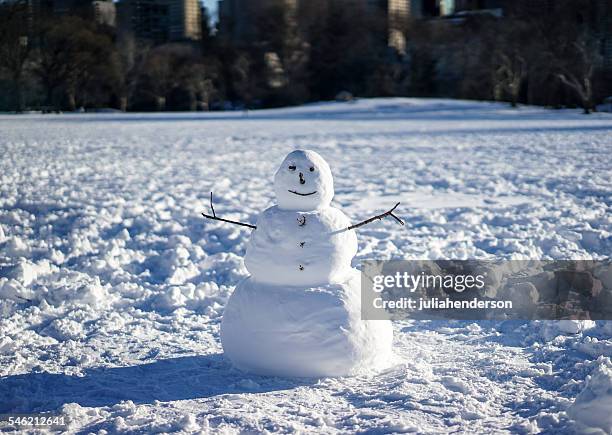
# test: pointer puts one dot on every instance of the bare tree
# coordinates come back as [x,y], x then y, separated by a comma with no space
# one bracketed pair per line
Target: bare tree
[566,36]
[242,78]
[69,61]
[513,37]
[173,77]
[578,74]
[510,73]
[132,55]
[14,46]
[156,79]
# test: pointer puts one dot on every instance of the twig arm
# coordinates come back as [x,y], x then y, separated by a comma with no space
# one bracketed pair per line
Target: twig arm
[23,299]
[214,216]
[378,217]
[211,205]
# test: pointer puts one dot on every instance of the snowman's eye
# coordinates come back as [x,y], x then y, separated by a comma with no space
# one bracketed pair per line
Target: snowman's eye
[292,168]
[311,169]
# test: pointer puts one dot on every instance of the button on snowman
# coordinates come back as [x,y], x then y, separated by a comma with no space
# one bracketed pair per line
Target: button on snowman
[298,313]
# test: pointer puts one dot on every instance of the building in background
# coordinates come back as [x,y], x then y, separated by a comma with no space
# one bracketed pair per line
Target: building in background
[36,10]
[145,19]
[424,9]
[398,16]
[238,18]
[67,7]
[161,21]
[105,12]
[603,31]
[102,11]
[185,20]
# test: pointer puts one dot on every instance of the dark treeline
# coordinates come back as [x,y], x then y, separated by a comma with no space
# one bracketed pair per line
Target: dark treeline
[545,56]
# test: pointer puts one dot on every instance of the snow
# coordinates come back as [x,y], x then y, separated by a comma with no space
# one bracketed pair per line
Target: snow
[593,404]
[316,331]
[112,286]
[301,248]
[299,312]
[303,182]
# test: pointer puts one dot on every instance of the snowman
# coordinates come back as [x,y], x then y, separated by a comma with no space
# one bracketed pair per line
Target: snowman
[298,313]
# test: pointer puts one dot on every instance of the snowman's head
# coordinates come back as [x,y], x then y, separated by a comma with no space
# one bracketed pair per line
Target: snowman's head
[303,182]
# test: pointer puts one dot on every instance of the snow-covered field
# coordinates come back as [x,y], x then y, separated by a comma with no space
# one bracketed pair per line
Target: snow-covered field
[112,286]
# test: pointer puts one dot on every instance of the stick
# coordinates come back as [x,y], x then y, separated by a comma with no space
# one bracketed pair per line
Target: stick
[214,216]
[23,299]
[380,217]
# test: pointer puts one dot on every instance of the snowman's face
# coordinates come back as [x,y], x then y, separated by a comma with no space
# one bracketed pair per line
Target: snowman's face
[303,182]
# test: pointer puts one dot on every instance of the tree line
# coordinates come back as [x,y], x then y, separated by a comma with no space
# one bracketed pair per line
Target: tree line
[550,57]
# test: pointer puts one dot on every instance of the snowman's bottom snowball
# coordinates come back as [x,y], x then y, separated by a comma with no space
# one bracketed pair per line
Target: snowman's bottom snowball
[304,332]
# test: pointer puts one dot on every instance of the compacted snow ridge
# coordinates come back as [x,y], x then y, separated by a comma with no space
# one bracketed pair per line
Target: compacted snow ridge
[113,286]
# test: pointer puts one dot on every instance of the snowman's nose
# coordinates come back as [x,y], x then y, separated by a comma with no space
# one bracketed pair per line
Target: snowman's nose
[302,181]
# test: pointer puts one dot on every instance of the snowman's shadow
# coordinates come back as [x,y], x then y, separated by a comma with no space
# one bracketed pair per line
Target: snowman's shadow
[192,377]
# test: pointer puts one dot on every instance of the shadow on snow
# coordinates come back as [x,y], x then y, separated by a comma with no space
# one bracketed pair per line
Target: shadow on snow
[184,378]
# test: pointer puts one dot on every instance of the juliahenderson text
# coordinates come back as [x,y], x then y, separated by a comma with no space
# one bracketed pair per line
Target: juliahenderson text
[440,304]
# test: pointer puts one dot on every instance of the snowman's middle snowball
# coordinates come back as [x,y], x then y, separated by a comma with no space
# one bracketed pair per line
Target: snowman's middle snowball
[301,248]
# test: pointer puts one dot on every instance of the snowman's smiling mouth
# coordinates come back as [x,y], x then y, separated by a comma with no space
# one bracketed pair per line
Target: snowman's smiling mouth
[302,194]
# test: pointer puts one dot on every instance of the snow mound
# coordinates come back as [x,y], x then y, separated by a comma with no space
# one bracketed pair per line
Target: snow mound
[592,408]
[552,329]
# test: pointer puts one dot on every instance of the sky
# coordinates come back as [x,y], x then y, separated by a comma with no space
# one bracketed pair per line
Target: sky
[211,5]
